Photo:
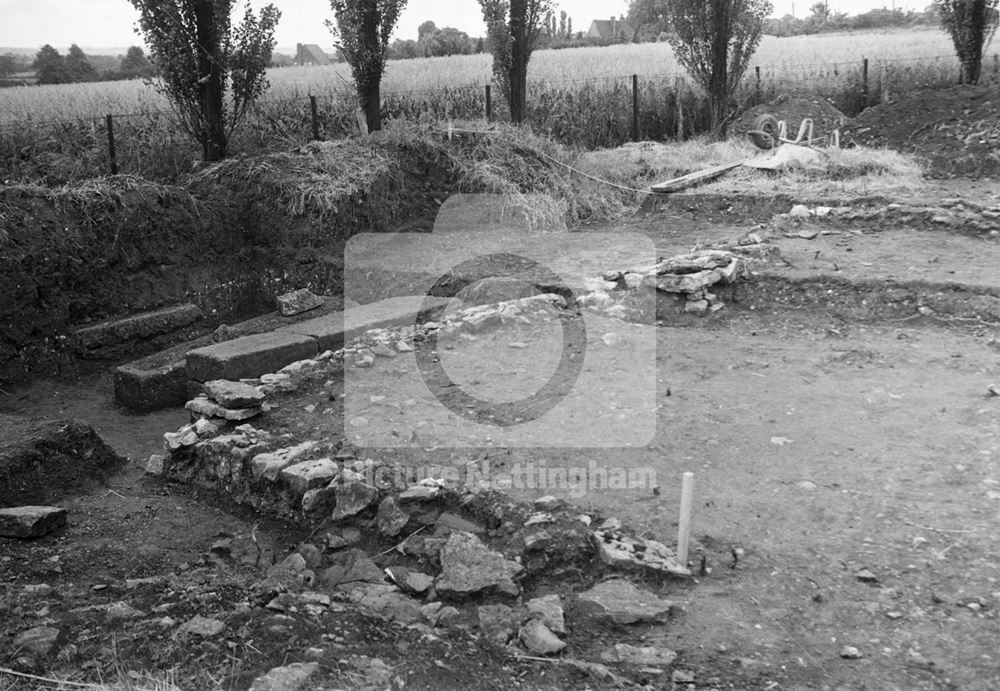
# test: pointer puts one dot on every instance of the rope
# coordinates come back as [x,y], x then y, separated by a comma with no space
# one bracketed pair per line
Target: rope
[541,153]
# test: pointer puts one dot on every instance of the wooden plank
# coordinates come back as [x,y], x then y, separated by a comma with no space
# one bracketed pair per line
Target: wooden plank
[696,178]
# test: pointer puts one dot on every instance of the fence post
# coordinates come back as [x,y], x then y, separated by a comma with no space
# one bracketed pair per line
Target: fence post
[315,117]
[111,144]
[679,95]
[635,107]
[864,83]
[489,102]
[757,89]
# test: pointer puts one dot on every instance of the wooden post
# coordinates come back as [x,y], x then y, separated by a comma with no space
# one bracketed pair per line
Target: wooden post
[635,107]
[883,78]
[864,83]
[111,144]
[679,96]
[489,102]
[684,525]
[757,90]
[315,117]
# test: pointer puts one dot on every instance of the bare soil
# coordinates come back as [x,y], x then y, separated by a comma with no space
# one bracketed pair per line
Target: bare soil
[953,131]
[824,442]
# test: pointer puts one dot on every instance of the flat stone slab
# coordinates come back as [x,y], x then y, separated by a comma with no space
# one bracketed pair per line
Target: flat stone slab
[624,603]
[334,330]
[233,394]
[249,356]
[203,406]
[136,326]
[158,381]
[31,521]
[288,678]
[297,302]
[161,380]
[468,566]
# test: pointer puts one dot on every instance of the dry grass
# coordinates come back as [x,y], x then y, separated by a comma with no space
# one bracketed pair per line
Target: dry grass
[841,172]
[131,681]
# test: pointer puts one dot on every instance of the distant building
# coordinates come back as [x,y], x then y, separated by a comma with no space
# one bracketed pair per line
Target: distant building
[611,30]
[310,54]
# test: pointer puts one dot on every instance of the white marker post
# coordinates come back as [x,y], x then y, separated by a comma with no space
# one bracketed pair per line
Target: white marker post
[684,525]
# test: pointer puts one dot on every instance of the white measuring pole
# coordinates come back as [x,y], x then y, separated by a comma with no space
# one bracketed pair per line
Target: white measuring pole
[684,525]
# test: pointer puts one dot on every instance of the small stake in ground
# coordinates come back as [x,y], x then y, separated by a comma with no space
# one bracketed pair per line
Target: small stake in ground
[684,525]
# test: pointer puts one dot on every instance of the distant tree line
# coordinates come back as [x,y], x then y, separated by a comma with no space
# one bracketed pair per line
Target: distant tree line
[51,67]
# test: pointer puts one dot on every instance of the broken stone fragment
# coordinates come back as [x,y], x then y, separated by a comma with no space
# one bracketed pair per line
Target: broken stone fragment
[352,499]
[621,551]
[550,610]
[233,394]
[391,519]
[496,622]
[469,567]
[382,350]
[308,475]
[277,383]
[300,367]
[154,466]
[39,640]
[185,436]
[269,465]
[297,302]
[25,522]
[420,493]
[641,656]
[698,308]
[384,599]
[201,626]
[288,678]
[538,639]
[623,603]
[450,521]
[203,406]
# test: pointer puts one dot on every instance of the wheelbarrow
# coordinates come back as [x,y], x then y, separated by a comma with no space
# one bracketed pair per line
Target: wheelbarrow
[771,136]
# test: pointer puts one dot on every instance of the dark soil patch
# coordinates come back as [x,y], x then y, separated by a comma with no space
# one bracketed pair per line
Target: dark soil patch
[955,131]
[793,109]
[42,460]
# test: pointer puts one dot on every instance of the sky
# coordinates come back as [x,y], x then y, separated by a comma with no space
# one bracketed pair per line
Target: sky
[109,23]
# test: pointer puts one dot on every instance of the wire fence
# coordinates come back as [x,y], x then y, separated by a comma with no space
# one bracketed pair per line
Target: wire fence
[587,113]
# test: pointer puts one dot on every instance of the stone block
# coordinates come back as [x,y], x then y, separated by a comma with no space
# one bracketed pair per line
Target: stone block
[307,475]
[31,521]
[249,356]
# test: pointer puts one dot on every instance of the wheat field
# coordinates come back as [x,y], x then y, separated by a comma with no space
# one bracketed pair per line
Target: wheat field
[797,58]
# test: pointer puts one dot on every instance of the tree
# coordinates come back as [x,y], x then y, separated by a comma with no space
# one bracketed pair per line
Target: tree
[363,28]
[514,28]
[426,29]
[971,25]
[201,56]
[714,41]
[135,64]
[8,65]
[648,18]
[50,66]
[78,68]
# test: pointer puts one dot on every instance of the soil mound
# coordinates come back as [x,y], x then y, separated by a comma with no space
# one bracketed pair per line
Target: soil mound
[41,461]
[793,109]
[954,131]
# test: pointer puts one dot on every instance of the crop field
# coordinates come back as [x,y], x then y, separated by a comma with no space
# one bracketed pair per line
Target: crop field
[580,97]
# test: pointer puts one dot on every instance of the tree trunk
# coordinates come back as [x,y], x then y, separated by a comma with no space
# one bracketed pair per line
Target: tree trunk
[718,90]
[369,92]
[519,60]
[211,82]
[370,96]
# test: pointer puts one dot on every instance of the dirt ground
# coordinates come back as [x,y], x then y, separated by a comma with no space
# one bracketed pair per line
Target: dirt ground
[846,473]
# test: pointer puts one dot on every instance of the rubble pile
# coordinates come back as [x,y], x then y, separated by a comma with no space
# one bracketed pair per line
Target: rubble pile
[689,276]
[957,214]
